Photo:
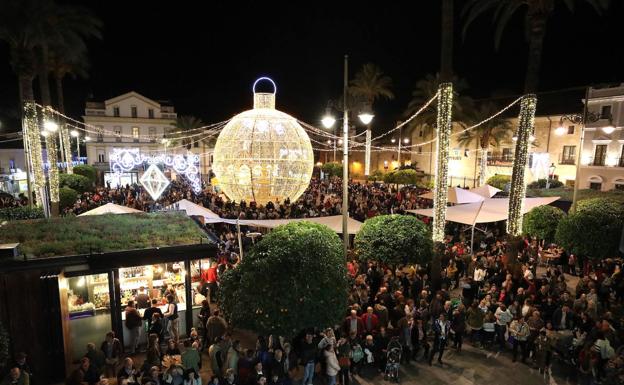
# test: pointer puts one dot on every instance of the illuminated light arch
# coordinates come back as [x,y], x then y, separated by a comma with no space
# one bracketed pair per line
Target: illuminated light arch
[123,160]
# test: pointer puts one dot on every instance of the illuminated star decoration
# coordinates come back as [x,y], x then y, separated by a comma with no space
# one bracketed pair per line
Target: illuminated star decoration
[154,181]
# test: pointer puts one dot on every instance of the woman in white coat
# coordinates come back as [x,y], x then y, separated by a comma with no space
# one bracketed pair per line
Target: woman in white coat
[332,364]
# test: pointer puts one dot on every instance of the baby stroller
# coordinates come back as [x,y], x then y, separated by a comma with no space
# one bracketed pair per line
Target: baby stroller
[393,360]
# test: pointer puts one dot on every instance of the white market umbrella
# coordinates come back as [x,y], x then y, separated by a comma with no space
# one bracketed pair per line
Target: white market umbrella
[485,190]
[111,208]
[457,195]
[489,210]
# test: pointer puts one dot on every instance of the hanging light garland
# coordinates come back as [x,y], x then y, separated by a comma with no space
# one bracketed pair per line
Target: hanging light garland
[517,191]
[445,104]
[32,136]
[52,152]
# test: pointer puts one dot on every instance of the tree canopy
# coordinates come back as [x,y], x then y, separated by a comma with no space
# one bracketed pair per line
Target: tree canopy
[542,221]
[294,278]
[394,239]
[594,230]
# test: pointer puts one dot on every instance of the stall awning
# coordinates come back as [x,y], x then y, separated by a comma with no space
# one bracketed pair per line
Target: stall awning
[110,208]
[485,190]
[193,209]
[492,210]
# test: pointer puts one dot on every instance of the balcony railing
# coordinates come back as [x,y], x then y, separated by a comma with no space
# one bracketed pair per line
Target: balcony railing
[505,161]
[567,159]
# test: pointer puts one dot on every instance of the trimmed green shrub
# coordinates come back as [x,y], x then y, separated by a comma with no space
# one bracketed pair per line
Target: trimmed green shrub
[67,197]
[332,169]
[499,181]
[394,240]
[293,279]
[541,183]
[87,171]
[74,181]
[542,222]
[20,212]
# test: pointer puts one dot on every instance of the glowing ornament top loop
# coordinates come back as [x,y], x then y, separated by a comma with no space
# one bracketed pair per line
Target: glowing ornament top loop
[253,88]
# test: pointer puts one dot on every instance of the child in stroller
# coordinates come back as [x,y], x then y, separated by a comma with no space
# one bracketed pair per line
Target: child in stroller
[393,360]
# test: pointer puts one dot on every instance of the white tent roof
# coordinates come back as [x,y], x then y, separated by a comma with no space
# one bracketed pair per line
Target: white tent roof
[334,222]
[457,195]
[493,210]
[111,208]
[193,209]
[485,191]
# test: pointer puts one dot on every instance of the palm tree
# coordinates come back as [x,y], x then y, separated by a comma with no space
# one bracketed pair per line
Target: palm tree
[187,124]
[490,133]
[446,42]
[371,84]
[426,89]
[537,13]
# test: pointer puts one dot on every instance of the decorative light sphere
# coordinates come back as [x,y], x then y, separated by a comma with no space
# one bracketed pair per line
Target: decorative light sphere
[263,154]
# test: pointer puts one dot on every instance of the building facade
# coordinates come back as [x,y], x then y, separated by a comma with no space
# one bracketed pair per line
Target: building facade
[132,121]
[13,171]
[602,158]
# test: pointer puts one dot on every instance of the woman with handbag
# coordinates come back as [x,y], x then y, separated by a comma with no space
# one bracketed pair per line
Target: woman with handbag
[343,349]
[333,367]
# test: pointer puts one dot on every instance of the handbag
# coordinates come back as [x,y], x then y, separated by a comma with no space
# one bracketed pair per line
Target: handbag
[511,339]
[344,362]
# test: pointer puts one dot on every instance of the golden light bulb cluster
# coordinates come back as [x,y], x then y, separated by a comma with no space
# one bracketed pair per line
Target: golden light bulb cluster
[517,190]
[64,136]
[445,106]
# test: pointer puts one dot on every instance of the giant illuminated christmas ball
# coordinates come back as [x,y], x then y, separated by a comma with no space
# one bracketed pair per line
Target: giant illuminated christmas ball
[263,154]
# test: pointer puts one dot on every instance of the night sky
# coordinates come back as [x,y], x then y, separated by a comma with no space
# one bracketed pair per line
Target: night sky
[204,56]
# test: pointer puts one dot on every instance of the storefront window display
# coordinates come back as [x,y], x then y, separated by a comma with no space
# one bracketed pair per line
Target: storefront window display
[144,283]
[88,303]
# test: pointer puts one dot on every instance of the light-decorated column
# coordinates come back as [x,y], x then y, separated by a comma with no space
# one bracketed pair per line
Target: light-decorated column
[445,106]
[66,144]
[52,152]
[368,152]
[34,154]
[517,190]
[483,166]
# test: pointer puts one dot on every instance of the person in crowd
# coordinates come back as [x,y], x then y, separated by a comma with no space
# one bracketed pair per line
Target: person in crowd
[333,366]
[370,321]
[353,324]
[308,357]
[519,331]
[216,326]
[128,373]
[17,376]
[458,326]
[148,314]
[83,374]
[441,328]
[22,363]
[191,358]
[173,321]
[133,324]
[192,377]
[142,299]
[111,347]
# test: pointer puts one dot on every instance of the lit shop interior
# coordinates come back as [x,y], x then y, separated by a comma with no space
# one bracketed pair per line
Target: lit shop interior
[92,310]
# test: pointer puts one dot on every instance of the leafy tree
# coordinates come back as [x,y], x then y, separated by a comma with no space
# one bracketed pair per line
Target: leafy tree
[376,175]
[294,278]
[406,176]
[499,181]
[4,346]
[370,84]
[67,197]
[542,221]
[87,171]
[394,239]
[332,169]
[76,182]
[537,14]
[594,230]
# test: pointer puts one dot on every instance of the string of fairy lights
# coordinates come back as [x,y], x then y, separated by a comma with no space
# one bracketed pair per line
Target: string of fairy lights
[32,136]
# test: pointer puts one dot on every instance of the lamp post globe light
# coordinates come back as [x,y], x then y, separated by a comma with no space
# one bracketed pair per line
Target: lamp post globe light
[551,174]
[50,126]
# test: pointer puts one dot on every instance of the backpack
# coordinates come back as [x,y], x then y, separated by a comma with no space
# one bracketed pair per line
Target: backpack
[358,353]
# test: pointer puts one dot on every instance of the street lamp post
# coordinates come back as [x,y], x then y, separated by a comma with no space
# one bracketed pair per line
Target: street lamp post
[76,135]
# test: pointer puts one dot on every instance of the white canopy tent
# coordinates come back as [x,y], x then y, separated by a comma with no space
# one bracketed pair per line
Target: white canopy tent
[110,208]
[193,209]
[489,210]
[485,190]
[457,195]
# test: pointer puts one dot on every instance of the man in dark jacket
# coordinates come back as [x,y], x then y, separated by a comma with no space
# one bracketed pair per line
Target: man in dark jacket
[308,358]
[563,318]
[441,328]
